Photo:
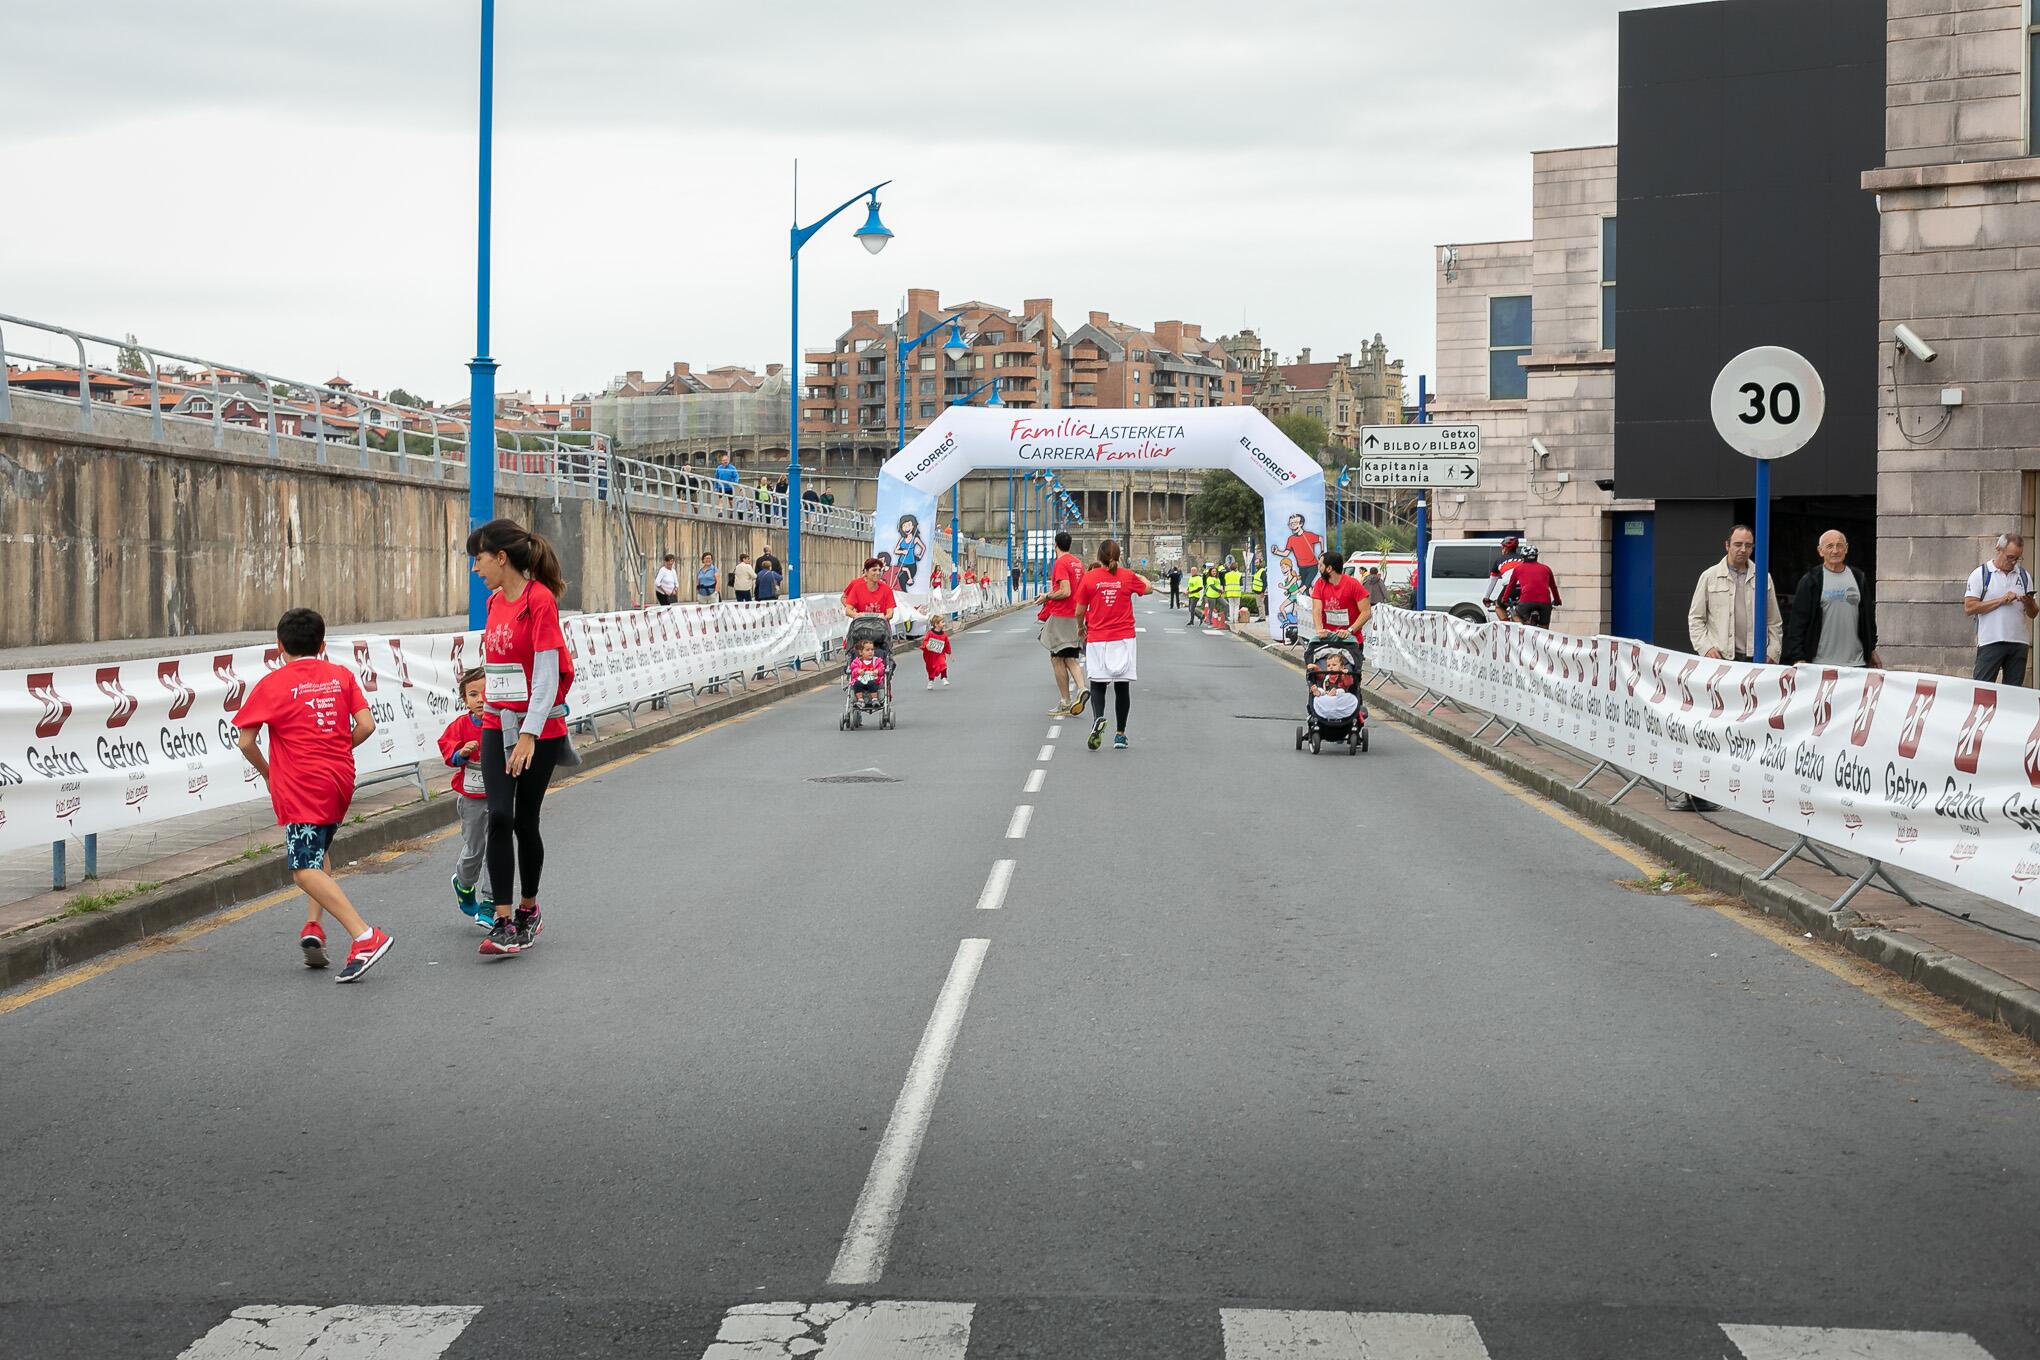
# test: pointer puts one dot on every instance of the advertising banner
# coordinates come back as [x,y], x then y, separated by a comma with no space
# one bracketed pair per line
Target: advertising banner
[966,438]
[1937,775]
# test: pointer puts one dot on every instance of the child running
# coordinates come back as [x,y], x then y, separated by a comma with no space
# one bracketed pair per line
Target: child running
[461,747]
[936,650]
[316,716]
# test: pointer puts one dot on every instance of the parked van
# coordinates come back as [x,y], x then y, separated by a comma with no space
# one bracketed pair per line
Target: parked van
[1457,575]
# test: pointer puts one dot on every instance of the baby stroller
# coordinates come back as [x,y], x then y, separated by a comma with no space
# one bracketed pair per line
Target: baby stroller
[1318,728]
[855,705]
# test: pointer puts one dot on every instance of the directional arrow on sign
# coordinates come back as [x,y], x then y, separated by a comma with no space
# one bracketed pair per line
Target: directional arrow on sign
[1372,442]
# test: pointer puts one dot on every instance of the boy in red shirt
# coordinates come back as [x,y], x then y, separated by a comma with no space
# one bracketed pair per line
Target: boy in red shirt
[316,716]
[460,745]
[935,651]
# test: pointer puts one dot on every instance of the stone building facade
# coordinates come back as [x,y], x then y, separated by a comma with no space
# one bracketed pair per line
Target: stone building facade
[1958,198]
[1346,394]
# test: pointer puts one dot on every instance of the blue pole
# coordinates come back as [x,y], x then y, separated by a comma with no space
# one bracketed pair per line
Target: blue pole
[1009,529]
[1760,652]
[481,452]
[793,409]
[1423,502]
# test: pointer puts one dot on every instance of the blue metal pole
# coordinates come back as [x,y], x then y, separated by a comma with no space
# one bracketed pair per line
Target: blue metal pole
[1759,649]
[1009,529]
[1423,505]
[793,410]
[481,452]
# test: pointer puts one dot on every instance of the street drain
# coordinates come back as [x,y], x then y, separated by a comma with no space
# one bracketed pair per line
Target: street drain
[869,775]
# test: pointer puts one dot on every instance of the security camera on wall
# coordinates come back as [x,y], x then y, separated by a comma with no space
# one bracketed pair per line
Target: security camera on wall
[1918,348]
[1537,447]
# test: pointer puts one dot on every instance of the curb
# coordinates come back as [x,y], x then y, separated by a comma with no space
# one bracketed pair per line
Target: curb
[66,942]
[1970,985]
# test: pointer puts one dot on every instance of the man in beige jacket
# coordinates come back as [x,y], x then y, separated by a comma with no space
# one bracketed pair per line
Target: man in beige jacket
[1723,610]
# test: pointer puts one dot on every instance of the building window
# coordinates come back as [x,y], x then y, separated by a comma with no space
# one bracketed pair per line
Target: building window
[1607,283]
[1508,338]
[1136,375]
[927,410]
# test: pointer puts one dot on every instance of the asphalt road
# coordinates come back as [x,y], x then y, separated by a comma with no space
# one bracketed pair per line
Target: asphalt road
[1265,1054]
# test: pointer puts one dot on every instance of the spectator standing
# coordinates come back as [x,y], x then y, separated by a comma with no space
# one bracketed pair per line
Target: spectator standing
[1723,611]
[809,496]
[1834,612]
[704,580]
[764,499]
[726,482]
[666,585]
[1175,587]
[768,577]
[1999,597]
[1377,589]
[1196,592]
[828,496]
[1235,586]
[746,578]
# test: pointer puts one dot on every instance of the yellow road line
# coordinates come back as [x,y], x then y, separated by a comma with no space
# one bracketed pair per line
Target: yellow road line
[142,949]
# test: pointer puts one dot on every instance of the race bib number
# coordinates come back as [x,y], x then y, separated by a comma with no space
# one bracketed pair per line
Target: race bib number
[507,685]
[1337,618]
[937,645]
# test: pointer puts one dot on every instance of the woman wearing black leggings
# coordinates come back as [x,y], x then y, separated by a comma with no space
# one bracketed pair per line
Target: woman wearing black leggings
[1105,614]
[527,671]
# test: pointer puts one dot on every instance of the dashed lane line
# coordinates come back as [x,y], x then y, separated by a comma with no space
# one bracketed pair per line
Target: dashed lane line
[1055,731]
[1035,779]
[1017,828]
[1047,753]
[994,895]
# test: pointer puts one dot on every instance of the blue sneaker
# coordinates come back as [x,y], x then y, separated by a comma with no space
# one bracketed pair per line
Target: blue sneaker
[465,898]
[1119,741]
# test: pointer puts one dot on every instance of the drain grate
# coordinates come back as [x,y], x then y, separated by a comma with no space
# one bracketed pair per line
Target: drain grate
[871,775]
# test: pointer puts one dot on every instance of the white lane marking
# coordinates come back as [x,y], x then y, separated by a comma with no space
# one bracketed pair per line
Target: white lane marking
[1305,1334]
[994,895]
[861,1260]
[1140,630]
[903,1328]
[1017,828]
[1047,753]
[1843,1343]
[348,1332]
[1054,731]
[1035,779]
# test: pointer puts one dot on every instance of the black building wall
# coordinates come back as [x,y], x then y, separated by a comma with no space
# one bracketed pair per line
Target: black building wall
[1745,127]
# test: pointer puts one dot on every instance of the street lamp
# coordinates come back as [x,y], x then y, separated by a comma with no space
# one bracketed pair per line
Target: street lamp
[482,369]
[954,346]
[874,235]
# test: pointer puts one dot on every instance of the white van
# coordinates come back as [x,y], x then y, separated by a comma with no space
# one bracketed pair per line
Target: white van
[1457,575]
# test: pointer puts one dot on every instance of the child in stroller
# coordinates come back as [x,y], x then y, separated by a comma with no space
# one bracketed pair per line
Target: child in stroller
[867,674]
[1332,712]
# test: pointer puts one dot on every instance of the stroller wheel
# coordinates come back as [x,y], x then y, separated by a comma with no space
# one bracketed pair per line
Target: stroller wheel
[1363,738]
[1316,743]
[1353,745]
[844,725]
[857,719]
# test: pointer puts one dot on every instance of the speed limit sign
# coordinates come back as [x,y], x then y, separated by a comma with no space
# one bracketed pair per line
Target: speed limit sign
[1767,402]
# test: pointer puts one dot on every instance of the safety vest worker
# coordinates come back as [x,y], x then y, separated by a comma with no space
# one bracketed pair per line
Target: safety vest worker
[1195,586]
[1260,580]
[1212,587]
[1232,583]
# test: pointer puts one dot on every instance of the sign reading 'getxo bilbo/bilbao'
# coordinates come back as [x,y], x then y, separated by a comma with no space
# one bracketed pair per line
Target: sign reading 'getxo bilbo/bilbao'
[1935,775]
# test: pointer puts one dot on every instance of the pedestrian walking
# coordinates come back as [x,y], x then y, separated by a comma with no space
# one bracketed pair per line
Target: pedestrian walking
[726,484]
[936,649]
[767,577]
[1999,596]
[460,746]
[1376,587]
[1833,620]
[1175,587]
[1060,634]
[1105,616]
[666,585]
[524,738]
[1723,610]
[316,716]
[745,578]
[704,580]
[1195,589]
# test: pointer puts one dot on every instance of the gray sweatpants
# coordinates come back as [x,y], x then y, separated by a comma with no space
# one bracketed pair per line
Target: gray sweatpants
[474,839]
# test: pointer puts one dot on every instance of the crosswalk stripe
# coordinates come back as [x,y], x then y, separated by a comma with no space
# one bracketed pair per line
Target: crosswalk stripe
[348,1332]
[895,1329]
[1319,1334]
[1845,1343]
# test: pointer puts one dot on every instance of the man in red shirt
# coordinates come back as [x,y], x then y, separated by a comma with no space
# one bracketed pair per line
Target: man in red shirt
[1060,633]
[1529,590]
[869,594]
[316,716]
[1339,604]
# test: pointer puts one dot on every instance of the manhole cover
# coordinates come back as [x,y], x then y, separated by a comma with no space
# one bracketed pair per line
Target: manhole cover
[871,775]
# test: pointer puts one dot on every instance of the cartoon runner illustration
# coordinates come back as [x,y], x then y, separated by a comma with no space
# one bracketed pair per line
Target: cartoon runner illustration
[1302,549]
[910,549]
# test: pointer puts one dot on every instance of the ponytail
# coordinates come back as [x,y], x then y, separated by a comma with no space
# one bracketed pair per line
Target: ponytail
[1108,556]
[528,552]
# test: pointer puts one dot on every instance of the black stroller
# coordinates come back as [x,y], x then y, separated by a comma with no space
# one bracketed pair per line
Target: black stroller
[1318,729]
[868,628]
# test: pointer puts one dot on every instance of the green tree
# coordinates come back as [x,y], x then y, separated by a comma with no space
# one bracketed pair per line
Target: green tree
[1372,538]
[131,360]
[1307,432]
[404,398]
[1224,507]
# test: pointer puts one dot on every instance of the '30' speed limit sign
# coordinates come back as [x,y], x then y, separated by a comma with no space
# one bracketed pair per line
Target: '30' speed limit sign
[1767,402]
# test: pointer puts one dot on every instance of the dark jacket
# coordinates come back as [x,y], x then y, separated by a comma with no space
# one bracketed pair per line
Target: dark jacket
[1802,620]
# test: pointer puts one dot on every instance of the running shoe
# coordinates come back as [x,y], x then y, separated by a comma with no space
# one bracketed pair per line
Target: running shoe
[1119,741]
[1097,736]
[931,684]
[529,927]
[945,682]
[465,899]
[364,955]
[502,939]
[1077,704]
[312,939]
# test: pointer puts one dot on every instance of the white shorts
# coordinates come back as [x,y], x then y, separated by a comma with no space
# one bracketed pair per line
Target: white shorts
[1105,661]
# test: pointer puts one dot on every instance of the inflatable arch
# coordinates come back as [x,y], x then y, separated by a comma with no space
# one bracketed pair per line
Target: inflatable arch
[966,439]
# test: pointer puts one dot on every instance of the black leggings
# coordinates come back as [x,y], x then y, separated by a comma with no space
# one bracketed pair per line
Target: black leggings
[1122,700]
[513,812]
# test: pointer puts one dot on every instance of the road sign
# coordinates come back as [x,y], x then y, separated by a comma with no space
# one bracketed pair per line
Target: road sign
[1419,441]
[1767,402]
[1420,472]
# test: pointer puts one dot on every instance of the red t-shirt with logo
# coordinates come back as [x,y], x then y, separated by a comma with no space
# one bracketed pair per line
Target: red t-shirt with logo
[308,705]
[1341,595]
[1067,568]
[862,597]
[517,631]
[1107,597]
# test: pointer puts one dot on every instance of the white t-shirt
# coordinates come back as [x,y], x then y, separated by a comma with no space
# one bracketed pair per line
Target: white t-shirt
[667,582]
[2008,623]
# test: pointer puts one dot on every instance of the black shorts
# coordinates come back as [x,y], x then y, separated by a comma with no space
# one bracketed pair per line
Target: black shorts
[664,598]
[1537,615]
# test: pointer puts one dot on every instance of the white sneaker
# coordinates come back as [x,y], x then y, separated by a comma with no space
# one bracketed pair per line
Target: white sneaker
[945,682]
[931,684]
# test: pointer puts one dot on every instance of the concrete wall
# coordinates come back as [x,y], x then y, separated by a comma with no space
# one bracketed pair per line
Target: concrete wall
[104,538]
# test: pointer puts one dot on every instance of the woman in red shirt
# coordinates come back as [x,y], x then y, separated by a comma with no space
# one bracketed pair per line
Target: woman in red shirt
[868,594]
[1338,603]
[527,672]
[1105,614]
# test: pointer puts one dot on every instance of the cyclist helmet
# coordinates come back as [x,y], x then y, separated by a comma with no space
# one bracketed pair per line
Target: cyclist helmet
[1509,543]
[1529,553]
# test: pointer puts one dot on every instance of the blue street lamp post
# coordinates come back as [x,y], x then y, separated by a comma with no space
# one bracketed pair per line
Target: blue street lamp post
[956,492]
[481,450]
[1423,499]
[956,347]
[874,236]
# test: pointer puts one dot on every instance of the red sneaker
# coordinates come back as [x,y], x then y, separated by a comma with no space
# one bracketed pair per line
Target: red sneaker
[312,939]
[364,955]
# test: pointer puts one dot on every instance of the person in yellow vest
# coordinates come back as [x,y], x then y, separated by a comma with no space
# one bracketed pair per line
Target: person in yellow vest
[1194,587]
[1260,589]
[1214,589]
[1234,585]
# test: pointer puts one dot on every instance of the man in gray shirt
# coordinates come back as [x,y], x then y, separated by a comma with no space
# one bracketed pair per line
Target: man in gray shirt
[1834,614]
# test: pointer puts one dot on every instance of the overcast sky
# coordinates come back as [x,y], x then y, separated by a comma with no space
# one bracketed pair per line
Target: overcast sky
[290,186]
